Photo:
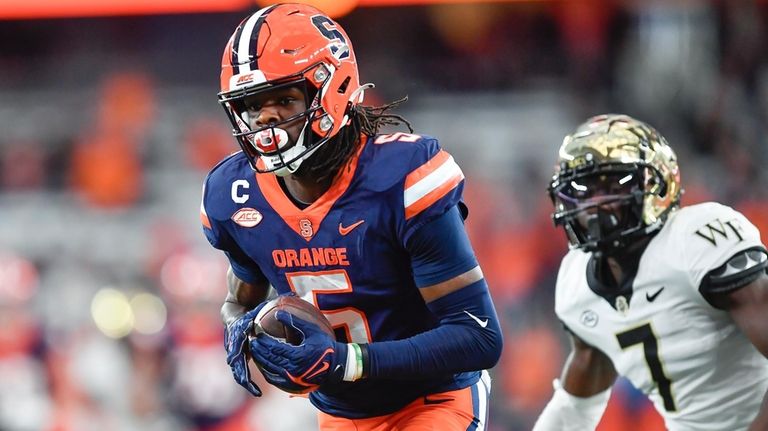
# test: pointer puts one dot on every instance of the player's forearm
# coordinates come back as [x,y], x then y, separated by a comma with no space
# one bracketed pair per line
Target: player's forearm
[469,338]
[230,312]
[761,421]
[587,371]
[241,297]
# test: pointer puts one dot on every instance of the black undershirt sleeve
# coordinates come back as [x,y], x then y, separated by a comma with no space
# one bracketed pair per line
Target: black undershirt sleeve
[740,270]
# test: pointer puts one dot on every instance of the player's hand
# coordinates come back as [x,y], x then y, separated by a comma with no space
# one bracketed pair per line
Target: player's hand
[236,344]
[318,360]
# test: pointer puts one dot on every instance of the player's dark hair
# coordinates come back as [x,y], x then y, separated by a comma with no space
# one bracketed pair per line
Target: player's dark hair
[367,120]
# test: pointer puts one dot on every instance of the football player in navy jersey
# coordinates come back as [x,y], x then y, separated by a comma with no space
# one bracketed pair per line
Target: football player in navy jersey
[365,226]
[673,298]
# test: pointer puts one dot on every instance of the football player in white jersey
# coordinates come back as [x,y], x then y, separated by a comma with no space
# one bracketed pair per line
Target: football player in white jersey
[674,299]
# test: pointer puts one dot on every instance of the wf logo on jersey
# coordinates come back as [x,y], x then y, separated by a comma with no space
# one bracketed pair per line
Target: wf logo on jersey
[716,229]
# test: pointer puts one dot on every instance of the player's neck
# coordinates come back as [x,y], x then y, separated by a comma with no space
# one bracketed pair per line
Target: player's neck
[304,190]
[616,271]
[625,262]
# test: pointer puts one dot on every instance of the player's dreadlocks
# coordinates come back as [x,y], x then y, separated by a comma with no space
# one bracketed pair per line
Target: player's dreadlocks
[329,158]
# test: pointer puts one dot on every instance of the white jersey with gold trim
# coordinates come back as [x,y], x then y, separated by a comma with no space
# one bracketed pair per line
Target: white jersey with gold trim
[697,367]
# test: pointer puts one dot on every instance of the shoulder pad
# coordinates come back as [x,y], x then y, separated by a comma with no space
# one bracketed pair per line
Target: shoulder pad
[710,234]
[228,181]
[388,158]
[219,187]
[433,184]
[422,179]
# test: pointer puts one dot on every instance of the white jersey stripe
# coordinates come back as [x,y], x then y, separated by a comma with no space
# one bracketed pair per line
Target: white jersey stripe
[244,44]
[444,173]
[483,393]
[202,203]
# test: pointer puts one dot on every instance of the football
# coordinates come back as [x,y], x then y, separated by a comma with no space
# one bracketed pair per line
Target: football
[298,307]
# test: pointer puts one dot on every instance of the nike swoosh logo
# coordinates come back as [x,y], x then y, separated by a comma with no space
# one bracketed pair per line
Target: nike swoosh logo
[482,323]
[652,297]
[323,367]
[345,230]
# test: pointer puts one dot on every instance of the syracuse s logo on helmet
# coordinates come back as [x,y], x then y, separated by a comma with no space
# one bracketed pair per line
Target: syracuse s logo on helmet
[339,46]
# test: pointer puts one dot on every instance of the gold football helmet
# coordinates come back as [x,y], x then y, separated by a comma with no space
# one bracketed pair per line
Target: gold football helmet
[616,181]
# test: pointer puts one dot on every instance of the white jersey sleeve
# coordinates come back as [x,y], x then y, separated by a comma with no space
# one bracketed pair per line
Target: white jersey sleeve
[710,234]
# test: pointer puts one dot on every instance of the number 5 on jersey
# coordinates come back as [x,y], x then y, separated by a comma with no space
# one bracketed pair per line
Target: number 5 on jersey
[308,285]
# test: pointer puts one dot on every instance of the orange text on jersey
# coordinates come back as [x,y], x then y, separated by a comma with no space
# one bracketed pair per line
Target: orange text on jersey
[290,258]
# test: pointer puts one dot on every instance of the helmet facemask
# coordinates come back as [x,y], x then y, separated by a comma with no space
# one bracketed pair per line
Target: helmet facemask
[600,210]
[269,148]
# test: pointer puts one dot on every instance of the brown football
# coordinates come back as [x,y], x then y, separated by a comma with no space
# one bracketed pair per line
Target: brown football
[299,308]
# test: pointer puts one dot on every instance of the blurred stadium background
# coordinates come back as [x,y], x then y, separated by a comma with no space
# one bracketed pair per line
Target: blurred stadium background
[109,294]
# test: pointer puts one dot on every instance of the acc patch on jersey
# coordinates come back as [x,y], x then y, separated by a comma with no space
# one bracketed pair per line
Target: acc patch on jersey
[247,217]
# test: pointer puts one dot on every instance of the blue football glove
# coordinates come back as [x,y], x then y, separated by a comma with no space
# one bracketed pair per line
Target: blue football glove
[236,344]
[317,361]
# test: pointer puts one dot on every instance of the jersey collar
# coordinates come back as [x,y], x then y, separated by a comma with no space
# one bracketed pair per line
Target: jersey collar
[305,222]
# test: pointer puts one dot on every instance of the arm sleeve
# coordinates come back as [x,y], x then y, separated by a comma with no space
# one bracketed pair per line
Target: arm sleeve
[468,338]
[566,412]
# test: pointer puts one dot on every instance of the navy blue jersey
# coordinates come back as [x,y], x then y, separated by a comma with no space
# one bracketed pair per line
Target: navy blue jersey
[347,252]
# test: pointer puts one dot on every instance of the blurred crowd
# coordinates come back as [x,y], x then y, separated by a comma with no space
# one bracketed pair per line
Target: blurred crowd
[109,295]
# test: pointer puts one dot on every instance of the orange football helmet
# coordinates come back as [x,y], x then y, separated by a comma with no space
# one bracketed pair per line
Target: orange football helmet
[289,45]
